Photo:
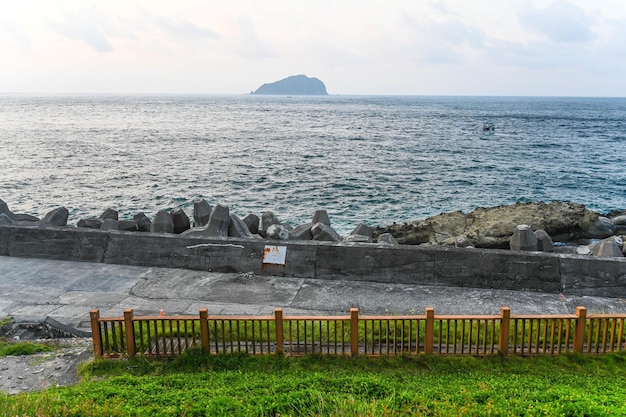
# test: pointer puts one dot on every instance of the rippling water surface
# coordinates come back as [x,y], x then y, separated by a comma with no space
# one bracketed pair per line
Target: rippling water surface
[373,159]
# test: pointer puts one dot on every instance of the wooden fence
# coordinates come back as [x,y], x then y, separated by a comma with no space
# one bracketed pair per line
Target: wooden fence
[354,334]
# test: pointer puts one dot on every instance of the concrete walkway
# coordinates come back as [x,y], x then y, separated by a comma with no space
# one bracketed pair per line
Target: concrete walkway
[33,289]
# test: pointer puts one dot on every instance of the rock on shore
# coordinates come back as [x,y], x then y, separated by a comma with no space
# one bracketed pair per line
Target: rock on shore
[493,227]
[498,227]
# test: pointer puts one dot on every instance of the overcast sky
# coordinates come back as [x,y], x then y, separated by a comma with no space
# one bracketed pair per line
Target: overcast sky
[413,47]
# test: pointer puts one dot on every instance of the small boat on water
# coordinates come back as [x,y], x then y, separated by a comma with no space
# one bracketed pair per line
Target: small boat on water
[489,127]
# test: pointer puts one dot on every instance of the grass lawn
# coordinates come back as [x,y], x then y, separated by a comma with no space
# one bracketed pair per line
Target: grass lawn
[236,385]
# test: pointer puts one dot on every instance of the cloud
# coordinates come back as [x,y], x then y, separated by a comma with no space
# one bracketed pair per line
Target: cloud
[440,42]
[14,37]
[185,28]
[85,26]
[561,21]
[248,42]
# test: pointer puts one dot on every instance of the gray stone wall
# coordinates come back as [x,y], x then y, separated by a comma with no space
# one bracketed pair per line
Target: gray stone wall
[424,265]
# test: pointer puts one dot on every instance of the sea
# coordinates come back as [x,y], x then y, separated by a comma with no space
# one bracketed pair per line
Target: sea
[373,159]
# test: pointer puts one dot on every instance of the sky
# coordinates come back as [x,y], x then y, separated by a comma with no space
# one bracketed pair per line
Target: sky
[382,47]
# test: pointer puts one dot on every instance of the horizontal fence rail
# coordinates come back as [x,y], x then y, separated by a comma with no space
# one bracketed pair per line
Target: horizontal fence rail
[353,334]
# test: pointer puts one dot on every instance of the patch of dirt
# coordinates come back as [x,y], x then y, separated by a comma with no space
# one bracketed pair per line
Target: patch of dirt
[39,371]
[57,367]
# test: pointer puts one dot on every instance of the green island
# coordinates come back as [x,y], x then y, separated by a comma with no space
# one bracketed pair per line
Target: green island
[197,384]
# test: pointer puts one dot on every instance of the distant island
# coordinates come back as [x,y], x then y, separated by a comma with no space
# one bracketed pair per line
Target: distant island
[296,85]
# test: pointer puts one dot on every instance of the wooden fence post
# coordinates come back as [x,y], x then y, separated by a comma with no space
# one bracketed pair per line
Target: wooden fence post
[96,336]
[130,333]
[505,326]
[204,330]
[280,337]
[430,330]
[354,331]
[579,331]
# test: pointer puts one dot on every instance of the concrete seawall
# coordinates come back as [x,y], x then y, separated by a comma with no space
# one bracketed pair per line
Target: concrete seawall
[419,265]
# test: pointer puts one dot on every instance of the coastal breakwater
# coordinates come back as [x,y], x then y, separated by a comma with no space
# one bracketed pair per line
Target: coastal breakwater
[221,242]
[419,265]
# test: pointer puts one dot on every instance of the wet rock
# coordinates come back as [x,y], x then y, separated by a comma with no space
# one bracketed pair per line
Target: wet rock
[201,212]
[523,239]
[608,248]
[277,232]
[321,216]
[180,220]
[324,232]
[57,217]
[252,221]
[5,219]
[544,241]
[109,214]
[144,224]
[387,239]
[162,223]
[238,228]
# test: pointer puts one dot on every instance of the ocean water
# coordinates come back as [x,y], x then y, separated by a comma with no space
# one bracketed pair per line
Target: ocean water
[371,159]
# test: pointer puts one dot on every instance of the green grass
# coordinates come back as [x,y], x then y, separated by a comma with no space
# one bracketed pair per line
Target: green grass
[195,384]
[21,348]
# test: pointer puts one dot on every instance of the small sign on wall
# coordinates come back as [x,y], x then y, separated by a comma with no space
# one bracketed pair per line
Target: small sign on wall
[274,255]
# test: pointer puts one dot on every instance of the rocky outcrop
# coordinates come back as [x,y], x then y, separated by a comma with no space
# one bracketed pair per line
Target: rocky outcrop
[493,227]
[294,85]
[496,227]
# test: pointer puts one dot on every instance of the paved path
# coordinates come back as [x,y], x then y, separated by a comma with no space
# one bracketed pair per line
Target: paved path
[33,289]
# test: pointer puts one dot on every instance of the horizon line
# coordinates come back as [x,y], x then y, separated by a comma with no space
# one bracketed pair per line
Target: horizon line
[7,93]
